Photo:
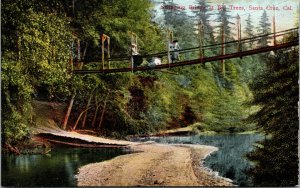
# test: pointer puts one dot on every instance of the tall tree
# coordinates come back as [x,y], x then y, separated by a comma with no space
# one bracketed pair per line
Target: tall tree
[249,29]
[251,65]
[177,20]
[171,13]
[223,18]
[277,94]
[264,28]
[202,17]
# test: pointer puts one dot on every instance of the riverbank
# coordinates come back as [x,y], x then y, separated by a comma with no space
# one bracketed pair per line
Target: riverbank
[153,164]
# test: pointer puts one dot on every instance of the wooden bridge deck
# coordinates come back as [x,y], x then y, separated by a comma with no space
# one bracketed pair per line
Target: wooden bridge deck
[195,61]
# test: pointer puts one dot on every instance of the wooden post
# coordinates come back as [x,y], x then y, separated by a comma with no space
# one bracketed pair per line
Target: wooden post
[274,31]
[102,47]
[223,50]
[169,40]
[131,43]
[238,32]
[168,49]
[108,51]
[241,46]
[78,50]
[201,39]
[132,63]
[136,42]
[103,39]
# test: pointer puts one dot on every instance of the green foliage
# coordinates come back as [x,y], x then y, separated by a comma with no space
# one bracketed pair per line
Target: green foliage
[276,92]
[37,39]
[180,23]
[34,61]
[224,24]
[202,18]
[227,113]
[264,28]
[117,19]
[16,96]
[44,46]
[249,29]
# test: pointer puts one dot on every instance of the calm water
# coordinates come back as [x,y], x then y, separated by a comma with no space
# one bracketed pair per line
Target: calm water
[58,168]
[229,160]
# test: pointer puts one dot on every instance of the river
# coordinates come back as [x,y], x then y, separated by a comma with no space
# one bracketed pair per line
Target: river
[59,167]
[56,169]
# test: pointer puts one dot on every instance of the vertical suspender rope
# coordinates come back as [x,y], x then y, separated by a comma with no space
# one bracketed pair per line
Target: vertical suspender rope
[201,40]
[223,49]
[71,56]
[274,31]
[239,34]
[108,52]
[240,43]
[168,48]
[136,43]
[131,48]
[169,40]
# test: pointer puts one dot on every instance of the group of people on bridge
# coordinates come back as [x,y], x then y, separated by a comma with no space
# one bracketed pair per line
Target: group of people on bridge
[156,60]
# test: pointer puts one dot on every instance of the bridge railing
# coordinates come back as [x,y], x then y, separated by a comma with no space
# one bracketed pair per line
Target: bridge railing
[234,46]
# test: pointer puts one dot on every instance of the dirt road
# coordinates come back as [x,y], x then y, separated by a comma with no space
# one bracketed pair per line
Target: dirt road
[153,165]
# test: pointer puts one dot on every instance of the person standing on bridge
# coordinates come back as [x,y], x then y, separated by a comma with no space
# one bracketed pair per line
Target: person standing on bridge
[134,50]
[137,58]
[174,49]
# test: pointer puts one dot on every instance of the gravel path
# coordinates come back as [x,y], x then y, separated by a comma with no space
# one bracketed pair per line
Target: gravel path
[154,165]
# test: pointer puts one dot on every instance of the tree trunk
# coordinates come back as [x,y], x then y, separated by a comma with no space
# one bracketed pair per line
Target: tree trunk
[84,51]
[86,113]
[95,114]
[68,112]
[102,113]
[80,115]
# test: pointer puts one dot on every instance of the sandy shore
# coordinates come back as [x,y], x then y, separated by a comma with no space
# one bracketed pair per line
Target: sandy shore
[154,164]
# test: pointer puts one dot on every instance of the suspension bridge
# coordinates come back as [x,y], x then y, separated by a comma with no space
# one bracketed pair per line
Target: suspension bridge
[238,49]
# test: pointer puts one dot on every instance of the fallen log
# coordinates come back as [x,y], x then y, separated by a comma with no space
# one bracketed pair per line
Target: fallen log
[76,142]
[56,142]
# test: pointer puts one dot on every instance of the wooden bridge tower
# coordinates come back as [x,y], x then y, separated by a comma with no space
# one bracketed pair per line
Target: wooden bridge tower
[103,39]
[168,42]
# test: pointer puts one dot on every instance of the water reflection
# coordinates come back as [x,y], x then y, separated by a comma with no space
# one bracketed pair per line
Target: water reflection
[58,168]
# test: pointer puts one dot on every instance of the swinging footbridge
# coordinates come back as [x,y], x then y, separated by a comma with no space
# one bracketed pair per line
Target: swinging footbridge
[226,50]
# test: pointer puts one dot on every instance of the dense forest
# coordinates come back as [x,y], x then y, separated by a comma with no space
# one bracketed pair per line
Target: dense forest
[258,92]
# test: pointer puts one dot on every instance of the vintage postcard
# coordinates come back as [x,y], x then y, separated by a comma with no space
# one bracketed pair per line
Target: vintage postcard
[149,93]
